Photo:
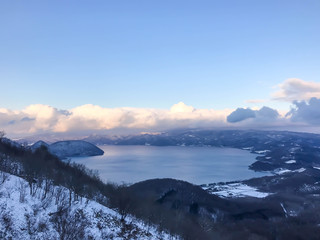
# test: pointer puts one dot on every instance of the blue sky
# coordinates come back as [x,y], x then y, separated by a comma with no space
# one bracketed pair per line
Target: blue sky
[153,54]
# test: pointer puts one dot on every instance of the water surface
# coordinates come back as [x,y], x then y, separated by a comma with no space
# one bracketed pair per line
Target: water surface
[198,165]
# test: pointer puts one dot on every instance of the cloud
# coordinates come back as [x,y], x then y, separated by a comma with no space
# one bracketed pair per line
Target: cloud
[306,111]
[241,114]
[266,113]
[181,108]
[295,89]
[35,118]
[27,119]
[262,115]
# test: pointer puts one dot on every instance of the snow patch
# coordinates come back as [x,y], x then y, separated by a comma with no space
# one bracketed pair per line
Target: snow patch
[236,190]
[300,170]
[262,151]
[280,171]
[290,161]
[247,148]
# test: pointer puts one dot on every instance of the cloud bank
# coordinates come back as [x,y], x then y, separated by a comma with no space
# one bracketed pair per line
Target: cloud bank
[39,118]
[42,119]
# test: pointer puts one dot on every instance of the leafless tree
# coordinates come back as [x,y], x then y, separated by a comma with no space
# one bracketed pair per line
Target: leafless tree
[2,134]
[70,225]
[22,190]
[3,177]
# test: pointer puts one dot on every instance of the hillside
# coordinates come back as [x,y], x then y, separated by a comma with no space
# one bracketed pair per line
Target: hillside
[33,216]
[45,198]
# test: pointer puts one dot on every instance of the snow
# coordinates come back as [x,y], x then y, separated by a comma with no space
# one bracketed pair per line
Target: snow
[281,171]
[236,190]
[287,213]
[284,210]
[317,168]
[294,149]
[300,170]
[284,170]
[309,188]
[262,151]
[247,148]
[290,161]
[25,216]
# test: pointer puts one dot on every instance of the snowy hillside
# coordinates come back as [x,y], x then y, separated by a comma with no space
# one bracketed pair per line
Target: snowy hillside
[50,216]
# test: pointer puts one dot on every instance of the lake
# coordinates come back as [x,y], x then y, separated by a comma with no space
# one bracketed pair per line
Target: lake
[198,165]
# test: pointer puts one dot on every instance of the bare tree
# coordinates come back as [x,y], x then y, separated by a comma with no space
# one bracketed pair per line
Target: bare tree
[123,202]
[70,225]
[3,177]
[22,190]
[2,134]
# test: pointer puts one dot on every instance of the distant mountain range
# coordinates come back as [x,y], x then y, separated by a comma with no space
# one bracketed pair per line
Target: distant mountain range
[276,149]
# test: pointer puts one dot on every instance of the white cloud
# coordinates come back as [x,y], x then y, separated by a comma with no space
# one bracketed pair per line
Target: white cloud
[295,89]
[181,108]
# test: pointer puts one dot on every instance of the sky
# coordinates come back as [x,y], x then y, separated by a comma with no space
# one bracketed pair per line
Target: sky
[144,59]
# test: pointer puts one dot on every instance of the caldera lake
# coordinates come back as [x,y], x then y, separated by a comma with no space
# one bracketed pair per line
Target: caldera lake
[197,165]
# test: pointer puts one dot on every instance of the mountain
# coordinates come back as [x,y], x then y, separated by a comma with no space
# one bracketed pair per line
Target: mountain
[39,144]
[71,148]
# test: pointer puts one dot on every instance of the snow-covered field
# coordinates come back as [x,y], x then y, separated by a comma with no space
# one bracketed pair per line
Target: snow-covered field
[235,190]
[25,216]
